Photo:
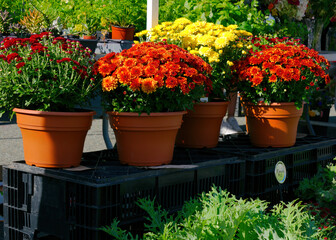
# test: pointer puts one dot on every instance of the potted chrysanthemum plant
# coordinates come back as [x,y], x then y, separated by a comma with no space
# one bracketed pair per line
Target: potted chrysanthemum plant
[146,90]
[45,80]
[274,81]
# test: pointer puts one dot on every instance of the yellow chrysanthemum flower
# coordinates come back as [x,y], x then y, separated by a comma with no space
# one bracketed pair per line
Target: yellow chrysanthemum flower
[164,24]
[232,27]
[229,63]
[195,52]
[182,21]
[240,45]
[221,42]
[214,57]
[205,51]
[205,40]
[142,33]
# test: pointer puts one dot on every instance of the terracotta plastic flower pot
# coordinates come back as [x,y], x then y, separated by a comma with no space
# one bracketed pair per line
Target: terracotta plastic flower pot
[145,140]
[53,139]
[272,125]
[122,33]
[89,37]
[200,127]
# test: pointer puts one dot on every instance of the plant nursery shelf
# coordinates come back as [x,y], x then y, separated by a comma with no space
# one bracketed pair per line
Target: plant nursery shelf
[69,204]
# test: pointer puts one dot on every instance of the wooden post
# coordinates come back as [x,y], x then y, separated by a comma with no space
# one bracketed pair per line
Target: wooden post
[152,13]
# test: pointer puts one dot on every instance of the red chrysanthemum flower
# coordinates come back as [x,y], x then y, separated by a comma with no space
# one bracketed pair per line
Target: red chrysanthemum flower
[192,86]
[272,78]
[185,89]
[190,72]
[20,65]
[159,79]
[171,82]
[3,57]
[11,57]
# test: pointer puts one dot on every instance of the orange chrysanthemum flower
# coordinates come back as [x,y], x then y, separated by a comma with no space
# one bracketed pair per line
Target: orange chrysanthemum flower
[123,74]
[280,71]
[136,71]
[254,71]
[130,62]
[150,70]
[182,80]
[135,84]
[256,80]
[148,85]
[287,74]
[152,53]
[109,83]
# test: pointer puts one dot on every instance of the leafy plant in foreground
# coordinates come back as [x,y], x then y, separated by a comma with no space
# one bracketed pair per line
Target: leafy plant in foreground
[219,215]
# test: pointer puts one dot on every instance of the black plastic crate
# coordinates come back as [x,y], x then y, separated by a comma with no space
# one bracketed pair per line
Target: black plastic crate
[261,182]
[74,205]
[230,176]
[301,162]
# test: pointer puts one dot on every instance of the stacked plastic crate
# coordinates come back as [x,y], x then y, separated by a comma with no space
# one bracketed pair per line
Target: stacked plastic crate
[74,205]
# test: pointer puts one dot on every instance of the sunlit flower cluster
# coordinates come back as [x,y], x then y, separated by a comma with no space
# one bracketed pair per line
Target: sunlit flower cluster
[201,38]
[150,72]
[216,44]
[51,73]
[285,72]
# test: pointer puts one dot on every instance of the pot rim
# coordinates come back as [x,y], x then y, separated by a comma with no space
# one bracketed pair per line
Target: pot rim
[272,104]
[154,114]
[117,26]
[212,103]
[45,113]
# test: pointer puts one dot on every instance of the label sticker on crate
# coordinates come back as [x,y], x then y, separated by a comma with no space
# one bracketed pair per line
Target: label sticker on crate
[280,172]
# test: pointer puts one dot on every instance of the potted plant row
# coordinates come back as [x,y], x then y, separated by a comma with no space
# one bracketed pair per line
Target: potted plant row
[266,71]
[45,76]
